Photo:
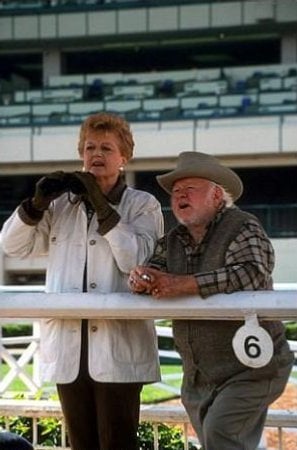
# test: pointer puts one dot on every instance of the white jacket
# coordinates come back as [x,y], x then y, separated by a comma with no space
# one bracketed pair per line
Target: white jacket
[119,350]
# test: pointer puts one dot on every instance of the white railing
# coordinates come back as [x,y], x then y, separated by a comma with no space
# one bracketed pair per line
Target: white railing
[34,303]
[153,414]
[266,305]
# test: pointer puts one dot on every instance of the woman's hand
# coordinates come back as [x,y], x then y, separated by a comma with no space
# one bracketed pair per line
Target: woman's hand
[85,182]
[161,284]
[48,188]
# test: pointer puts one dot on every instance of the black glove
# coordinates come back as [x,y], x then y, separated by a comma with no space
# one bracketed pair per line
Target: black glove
[48,188]
[84,183]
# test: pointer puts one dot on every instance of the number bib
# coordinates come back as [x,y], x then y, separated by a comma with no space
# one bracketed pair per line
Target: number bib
[252,344]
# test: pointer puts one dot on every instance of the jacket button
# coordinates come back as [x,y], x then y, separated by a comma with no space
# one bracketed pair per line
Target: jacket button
[94,328]
[53,239]
[93,285]
[92,242]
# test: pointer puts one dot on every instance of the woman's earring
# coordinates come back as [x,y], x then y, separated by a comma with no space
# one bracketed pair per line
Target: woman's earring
[83,169]
[121,169]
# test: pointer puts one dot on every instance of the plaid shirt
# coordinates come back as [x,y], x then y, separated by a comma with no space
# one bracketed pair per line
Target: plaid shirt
[249,259]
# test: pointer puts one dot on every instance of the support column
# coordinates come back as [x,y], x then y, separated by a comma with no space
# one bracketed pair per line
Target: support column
[289,49]
[51,64]
[130,178]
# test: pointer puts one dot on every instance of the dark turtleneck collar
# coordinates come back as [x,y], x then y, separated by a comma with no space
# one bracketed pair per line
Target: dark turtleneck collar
[115,194]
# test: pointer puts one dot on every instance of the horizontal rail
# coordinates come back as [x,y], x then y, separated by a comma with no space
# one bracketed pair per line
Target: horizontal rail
[266,305]
[153,414]
[148,413]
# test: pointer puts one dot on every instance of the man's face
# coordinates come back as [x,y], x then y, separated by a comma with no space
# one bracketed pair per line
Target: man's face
[195,201]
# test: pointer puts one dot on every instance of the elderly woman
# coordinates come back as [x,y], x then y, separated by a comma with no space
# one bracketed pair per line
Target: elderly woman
[95,229]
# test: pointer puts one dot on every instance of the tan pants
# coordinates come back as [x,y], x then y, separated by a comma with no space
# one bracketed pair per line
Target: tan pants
[232,416]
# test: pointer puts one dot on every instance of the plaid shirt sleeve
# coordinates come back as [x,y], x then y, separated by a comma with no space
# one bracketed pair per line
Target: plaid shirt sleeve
[159,259]
[248,265]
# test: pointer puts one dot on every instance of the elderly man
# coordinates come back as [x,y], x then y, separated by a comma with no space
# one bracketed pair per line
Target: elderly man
[216,248]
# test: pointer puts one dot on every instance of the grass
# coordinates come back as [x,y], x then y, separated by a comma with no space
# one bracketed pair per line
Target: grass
[150,392]
[155,394]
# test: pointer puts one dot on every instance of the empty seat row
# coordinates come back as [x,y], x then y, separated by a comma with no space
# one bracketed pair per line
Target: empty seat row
[155,109]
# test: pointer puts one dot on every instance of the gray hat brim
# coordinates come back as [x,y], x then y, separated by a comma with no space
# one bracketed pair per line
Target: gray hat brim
[200,165]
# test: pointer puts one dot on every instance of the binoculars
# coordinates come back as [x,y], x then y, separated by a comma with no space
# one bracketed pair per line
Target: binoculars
[73,184]
[62,183]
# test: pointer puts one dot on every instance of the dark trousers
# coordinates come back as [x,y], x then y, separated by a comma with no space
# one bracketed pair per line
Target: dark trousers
[100,416]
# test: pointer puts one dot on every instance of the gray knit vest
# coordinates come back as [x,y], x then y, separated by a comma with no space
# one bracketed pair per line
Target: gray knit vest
[206,345]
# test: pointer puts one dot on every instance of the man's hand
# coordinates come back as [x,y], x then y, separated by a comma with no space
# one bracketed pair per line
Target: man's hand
[139,281]
[159,284]
[47,189]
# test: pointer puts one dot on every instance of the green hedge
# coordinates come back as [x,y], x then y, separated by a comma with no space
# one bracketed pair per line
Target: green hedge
[17,329]
[49,433]
[165,343]
[291,331]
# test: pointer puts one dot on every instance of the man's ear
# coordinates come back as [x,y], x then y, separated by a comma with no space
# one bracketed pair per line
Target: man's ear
[218,195]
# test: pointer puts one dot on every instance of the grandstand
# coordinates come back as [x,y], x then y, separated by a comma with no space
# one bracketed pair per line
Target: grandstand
[218,76]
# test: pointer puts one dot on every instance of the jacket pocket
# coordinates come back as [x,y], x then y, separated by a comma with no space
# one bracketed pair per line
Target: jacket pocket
[133,341]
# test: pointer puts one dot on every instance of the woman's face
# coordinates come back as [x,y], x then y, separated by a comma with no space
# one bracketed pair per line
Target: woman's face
[102,155]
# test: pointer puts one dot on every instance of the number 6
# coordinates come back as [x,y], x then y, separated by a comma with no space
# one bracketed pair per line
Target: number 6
[252,350]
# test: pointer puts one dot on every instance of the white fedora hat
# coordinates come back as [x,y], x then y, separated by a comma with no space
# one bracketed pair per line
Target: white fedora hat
[201,165]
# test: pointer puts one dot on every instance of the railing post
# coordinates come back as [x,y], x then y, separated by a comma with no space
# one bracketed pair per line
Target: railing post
[185,427]
[156,436]
[1,266]
[36,356]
